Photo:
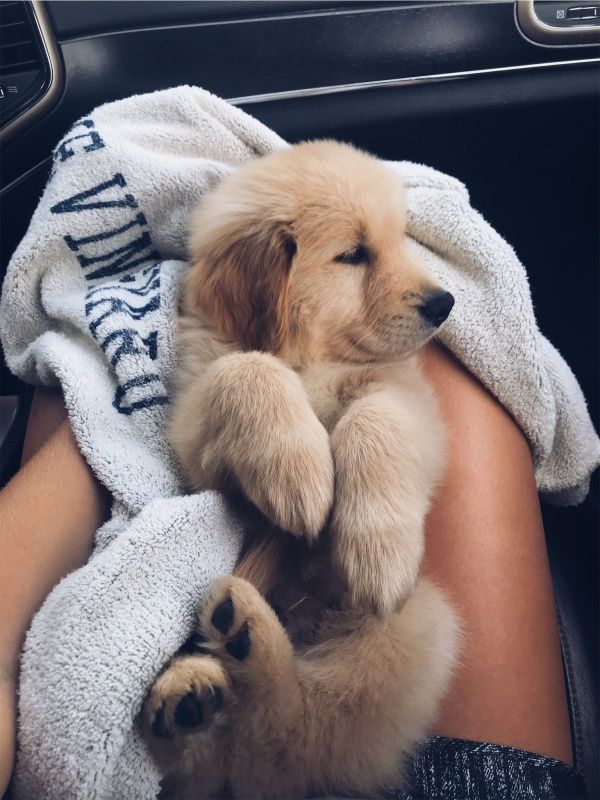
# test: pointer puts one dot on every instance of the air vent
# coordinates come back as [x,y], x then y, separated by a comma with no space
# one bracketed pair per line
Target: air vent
[30,65]
[19,49]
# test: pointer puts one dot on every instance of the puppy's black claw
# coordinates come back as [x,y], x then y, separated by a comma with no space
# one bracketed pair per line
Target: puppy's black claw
[188,713]
[194,644]
[159,726]
[217,698]
[239,646]
[222,618]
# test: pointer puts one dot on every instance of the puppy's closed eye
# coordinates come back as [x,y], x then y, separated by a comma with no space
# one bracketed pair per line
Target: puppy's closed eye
[359,255]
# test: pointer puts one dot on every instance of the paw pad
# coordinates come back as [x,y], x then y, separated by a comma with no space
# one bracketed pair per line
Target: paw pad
[239,646]
[188,713]
[223,615]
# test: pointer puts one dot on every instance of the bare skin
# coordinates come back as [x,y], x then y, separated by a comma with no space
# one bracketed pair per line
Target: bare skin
[48,515]
[485,546]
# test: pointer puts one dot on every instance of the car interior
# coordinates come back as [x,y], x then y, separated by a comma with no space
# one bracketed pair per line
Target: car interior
[502,95]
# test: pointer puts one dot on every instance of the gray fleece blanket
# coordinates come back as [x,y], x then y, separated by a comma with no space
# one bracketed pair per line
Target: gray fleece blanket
[89,302]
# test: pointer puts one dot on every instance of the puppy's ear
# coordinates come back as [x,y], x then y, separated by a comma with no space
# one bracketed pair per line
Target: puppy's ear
[239,281]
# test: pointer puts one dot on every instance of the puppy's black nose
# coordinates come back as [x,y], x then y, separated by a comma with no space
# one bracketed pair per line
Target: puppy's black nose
[436,307]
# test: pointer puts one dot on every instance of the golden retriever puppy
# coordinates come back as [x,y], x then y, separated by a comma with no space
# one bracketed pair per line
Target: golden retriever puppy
[301,314]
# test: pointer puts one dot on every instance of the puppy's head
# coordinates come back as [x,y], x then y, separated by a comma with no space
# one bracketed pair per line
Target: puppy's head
[303,253]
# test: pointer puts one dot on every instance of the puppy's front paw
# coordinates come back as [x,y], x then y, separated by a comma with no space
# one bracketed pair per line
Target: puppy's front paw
[379,574]
[257,427]
[191,695]
[296,489]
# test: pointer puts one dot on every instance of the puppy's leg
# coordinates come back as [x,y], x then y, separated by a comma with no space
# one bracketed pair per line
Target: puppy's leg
[388,454]
[343,715]
[185,723]
[248,416]
[265,749]
[372,690]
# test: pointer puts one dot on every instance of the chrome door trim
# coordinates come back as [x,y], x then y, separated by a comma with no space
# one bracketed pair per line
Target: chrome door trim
[398,83]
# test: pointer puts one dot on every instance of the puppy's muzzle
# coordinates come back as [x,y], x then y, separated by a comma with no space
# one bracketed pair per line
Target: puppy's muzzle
[436,307]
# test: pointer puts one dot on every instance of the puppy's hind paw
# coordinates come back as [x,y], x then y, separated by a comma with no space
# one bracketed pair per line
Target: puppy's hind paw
[232,608]
[191,695]
[244,632]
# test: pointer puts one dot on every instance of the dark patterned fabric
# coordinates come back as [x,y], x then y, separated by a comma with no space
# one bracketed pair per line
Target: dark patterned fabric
[455,769]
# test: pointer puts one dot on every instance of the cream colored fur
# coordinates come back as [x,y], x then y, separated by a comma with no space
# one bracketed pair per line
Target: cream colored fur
[300,386]
[340,717]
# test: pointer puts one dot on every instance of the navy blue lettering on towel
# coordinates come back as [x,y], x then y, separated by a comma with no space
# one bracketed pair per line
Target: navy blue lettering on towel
[152,284]
[119,312]
[76,204]
[129,342]
[88,138]
[127,400]
[116,249]
[116,305]
[112,310]
[81,138]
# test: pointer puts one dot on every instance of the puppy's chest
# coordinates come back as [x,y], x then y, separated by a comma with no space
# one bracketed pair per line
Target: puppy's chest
[332,387]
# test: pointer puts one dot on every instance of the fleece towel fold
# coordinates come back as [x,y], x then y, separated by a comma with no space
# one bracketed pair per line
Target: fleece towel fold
[89,302]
